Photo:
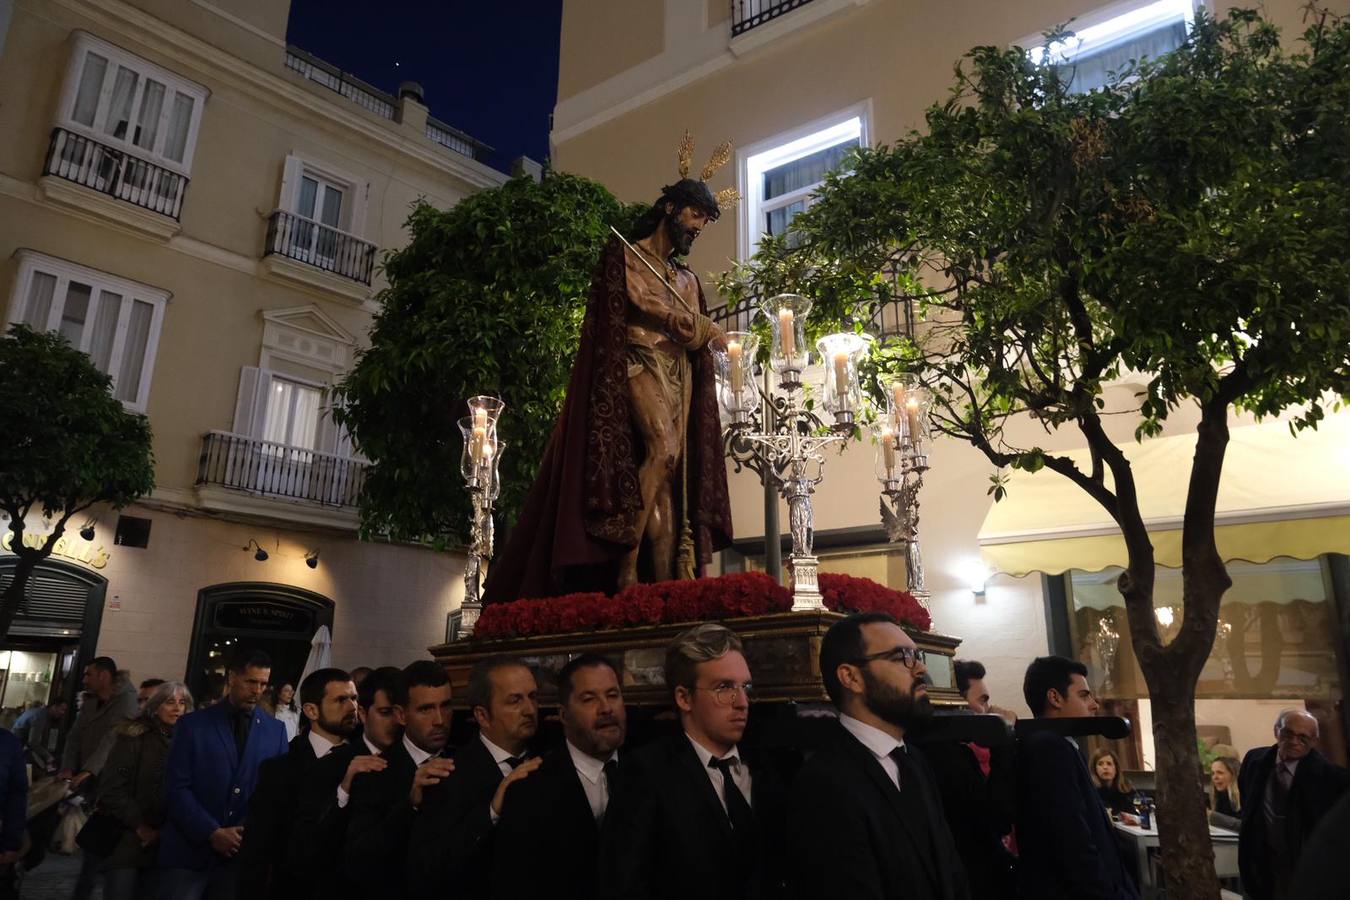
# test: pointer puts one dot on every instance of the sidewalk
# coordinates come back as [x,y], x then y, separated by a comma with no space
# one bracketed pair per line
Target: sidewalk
[54,879]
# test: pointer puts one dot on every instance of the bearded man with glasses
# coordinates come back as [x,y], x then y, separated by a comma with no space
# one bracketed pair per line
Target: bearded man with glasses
[695,815]
[1289,787]
[866,817]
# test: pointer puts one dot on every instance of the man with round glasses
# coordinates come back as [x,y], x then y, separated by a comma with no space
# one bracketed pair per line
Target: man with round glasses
[695,817]
[866,802]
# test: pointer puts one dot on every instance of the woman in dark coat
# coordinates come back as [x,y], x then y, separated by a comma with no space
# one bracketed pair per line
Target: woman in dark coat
[1115,789]
[132,792]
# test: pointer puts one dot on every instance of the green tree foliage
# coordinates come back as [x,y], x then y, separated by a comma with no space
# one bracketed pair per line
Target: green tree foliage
[486,298]
[1188,223]
[68,445]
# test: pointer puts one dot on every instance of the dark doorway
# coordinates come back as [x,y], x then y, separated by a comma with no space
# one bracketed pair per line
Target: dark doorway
[275,618]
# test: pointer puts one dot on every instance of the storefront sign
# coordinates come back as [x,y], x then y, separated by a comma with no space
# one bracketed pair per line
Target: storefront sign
[263,616]
[80,550]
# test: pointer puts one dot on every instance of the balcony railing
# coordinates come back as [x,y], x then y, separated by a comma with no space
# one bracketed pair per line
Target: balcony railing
[279,470]
[453,139]
[746,14]
[893,317]
[354,89]
[319,245]
[114,172]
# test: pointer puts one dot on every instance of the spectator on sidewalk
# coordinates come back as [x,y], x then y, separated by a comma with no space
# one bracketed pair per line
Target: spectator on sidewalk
[13,811]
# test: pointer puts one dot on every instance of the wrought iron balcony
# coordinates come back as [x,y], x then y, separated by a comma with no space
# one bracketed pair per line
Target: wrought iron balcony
[892,318]
[115,172]
[321,246]
[279,470]
[747,14]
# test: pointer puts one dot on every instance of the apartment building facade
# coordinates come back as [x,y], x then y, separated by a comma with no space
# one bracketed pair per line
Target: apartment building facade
[794,84]
[202,209]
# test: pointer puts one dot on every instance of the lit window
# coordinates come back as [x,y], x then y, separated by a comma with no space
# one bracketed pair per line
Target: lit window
[1106,41]
[115,321]
[779,177]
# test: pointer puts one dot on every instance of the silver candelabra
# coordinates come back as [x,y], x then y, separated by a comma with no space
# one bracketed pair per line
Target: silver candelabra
[901,437]
[478,464]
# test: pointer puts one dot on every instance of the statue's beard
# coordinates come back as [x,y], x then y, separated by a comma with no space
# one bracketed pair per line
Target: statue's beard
[681,238]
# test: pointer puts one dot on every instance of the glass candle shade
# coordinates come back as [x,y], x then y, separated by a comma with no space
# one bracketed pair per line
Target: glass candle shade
[491,467]
[485,410]
[735,373]
[840,354]
[787,321]
[888,462]
[480,448]
[909,403]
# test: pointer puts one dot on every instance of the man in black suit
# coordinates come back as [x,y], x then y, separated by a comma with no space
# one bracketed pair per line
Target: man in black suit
[1286,790]
[381,810]
[696,817]
[867,820]
[1064,834]
[328,701]
[978,787]
[320,830]
[451,847]
[556,813]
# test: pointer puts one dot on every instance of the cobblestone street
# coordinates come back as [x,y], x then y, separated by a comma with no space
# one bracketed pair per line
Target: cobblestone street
[54,879]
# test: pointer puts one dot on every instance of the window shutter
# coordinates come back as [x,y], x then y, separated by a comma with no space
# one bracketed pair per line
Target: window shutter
[290,183]
[250,407]
[360,196]
[326,441]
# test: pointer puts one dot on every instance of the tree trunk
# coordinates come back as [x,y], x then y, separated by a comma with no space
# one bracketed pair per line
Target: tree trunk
[1183,825]
[14,591]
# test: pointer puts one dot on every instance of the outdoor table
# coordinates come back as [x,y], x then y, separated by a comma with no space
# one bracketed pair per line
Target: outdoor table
[1142,845]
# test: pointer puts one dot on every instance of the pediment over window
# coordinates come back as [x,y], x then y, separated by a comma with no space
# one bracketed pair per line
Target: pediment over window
[308,335]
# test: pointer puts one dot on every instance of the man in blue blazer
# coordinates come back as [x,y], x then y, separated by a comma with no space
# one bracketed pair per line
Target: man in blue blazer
[208,780]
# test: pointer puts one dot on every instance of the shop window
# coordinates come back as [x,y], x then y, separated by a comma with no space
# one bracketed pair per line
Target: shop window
[117,322]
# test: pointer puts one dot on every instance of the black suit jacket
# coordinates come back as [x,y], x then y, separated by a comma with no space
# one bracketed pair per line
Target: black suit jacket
[979,812]
[1318,784]
[855,836]
[546,819]
[450,848]
[271,816]
[379,816]
[319,832]
[666,834]
[1065,839]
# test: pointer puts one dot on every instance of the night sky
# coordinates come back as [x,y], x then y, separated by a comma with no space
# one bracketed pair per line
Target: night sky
[489,67]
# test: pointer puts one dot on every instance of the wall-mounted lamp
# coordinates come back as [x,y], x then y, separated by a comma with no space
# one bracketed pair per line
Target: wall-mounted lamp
[312,558]
[975,573]
[87,530]
[261,554]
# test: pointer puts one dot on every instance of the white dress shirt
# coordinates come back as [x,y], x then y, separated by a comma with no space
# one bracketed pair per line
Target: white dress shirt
[418,755]
[591,772]
[879,744]
[499,756]
[322,746]
[740,772]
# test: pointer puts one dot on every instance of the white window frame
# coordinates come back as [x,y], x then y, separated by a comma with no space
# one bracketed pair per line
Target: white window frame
[1110,25]
[352,220]
[755,159]
[31,262]
[116,56]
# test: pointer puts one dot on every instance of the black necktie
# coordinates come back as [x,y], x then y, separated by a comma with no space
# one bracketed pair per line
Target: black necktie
[611,772]
[738,810]
[242,720]
[514,761]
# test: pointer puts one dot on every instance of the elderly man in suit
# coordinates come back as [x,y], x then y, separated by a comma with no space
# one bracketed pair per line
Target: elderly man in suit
[1286,789]
[1064,836]
[867,818]
[696,816]
[328,703]
[556,814]
[209,779]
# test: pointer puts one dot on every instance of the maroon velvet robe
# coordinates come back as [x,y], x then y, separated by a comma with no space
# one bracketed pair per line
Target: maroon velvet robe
[579,517]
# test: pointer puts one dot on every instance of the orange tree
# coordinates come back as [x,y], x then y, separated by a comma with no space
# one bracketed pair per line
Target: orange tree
[1189,222]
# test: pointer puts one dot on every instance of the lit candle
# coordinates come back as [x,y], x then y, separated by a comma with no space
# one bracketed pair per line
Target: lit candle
[888,450]
[734,354]
[477,444]
[785,336]
[841,376]
[479,417]
[898,395]
[912,418]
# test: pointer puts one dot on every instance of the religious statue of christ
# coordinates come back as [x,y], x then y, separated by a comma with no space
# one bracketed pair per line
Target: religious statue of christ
[632,486]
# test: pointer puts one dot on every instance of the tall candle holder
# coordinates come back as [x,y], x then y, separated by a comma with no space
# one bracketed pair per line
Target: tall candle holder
[902,436]
[479,465]
[788,451]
